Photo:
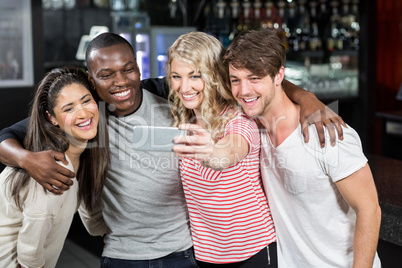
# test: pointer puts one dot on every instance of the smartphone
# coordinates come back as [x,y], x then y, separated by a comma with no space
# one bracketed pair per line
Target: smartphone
[151,138]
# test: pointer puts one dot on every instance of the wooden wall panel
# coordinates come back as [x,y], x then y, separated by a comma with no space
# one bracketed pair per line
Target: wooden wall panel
[389,54]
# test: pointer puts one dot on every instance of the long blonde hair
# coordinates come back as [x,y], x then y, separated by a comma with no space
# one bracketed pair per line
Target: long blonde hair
[205,53]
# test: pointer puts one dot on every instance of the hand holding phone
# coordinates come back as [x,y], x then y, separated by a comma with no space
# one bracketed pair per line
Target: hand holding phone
[199,144]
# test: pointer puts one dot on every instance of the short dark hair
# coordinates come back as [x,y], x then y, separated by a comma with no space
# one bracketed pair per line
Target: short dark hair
[261,52]
[105,40]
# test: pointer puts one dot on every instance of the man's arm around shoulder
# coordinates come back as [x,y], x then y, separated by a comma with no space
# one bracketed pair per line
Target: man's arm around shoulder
[157,86]
[41,166]
[11,140]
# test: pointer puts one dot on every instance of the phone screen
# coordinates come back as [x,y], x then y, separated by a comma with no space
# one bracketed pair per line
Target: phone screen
[150,138]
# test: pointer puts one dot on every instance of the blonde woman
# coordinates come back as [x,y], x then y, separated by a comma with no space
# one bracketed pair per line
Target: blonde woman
[230,218]
[229,214]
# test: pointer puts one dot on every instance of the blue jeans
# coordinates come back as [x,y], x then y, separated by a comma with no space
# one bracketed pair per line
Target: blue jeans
[182,259]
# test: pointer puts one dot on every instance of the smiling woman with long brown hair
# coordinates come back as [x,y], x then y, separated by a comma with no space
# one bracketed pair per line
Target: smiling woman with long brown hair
[64,118]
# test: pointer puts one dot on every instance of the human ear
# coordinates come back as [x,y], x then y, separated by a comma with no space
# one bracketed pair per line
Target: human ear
[280,76]
[91,81]
[51,119]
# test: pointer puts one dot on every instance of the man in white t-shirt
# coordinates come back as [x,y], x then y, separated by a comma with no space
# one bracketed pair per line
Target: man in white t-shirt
[323,200]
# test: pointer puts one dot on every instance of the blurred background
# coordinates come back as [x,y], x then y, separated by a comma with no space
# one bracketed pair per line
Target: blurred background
[348,52]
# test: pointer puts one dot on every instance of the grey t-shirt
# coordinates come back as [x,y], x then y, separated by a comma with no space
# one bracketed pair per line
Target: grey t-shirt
[143,200]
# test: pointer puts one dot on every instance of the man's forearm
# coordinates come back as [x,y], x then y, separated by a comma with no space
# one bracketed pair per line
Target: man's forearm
[366,237]
[12,153]
[295,93]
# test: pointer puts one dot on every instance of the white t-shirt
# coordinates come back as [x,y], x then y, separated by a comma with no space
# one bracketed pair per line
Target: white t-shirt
[35,235]
[314,224]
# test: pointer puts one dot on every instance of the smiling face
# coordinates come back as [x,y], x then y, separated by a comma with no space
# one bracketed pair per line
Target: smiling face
[115,74]
[188,84]
[255,94]
[76,113]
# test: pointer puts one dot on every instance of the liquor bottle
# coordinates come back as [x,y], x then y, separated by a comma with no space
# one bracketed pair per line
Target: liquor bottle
[334,42]
[315,38]
[235,8]
[280,24]
[245,15]
[355,26]
[350,25]
[266,15]
[281,7]
[345,27]
[172,9]
[303,31]
[221,5]
[291,22]
[291,19]
[223,22]
[234,19]
[257,13]
[323,22]
[253,23]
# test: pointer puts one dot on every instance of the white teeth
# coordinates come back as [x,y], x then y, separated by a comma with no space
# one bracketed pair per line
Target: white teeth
[250,100]
[86,123]
[122,94]
[189,96]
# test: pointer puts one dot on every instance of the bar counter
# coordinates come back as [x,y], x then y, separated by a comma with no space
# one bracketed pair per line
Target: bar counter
[387,173]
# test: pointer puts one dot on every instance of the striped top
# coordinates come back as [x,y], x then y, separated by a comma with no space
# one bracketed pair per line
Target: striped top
[229,213]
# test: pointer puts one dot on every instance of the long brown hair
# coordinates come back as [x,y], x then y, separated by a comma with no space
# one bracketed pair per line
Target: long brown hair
[43,135]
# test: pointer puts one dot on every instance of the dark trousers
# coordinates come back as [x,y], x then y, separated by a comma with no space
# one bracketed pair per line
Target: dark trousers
[266,258]
[183,259]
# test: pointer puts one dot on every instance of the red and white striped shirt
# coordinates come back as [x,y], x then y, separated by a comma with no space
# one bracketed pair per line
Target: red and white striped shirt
[229,213]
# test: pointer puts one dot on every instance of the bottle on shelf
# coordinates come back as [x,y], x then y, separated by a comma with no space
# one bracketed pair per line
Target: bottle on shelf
[303,31]
[221,5]
[355,26]
[266,17]
[280,24]
[350,24]
[345,33]
[316,27]
[292,24]
[245,16]
[322,22]
[223,19]
[315,37]
[257,10]
[334,41]
[234,18]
